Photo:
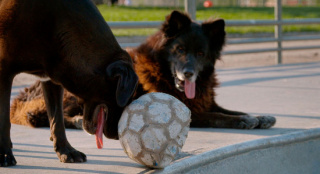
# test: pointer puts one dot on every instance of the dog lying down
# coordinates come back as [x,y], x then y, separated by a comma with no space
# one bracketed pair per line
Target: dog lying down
[178,60]
[69,43]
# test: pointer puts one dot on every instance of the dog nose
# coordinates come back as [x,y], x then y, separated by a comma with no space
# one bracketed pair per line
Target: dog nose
[188,73]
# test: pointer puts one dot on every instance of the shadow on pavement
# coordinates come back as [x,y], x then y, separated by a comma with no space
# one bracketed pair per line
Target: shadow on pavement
[24,167]
[262,132]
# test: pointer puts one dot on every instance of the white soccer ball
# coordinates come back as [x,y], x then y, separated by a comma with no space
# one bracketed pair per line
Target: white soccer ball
[153,129]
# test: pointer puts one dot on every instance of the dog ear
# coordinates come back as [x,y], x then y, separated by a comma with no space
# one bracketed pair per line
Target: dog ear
[214,28]
[175,23]
[127,81]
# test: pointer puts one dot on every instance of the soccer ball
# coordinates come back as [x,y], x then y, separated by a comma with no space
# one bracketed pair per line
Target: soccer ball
[153,129]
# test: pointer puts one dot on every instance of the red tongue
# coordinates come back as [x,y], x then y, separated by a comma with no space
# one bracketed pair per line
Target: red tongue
[190,89]
[99,130]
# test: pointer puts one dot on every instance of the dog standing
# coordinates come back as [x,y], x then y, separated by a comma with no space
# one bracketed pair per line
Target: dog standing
[68,44]
[178,60]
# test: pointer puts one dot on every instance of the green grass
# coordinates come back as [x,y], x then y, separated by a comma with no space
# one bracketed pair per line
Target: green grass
[121,13]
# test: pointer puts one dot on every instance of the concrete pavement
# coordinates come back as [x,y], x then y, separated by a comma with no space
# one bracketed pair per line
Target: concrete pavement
[289,92]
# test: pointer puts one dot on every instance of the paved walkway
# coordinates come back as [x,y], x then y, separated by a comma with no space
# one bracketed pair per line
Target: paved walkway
[290,92]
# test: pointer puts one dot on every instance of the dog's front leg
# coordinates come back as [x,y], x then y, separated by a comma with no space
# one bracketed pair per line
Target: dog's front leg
[265,122]
[53,98]
[6,156]
[222,120]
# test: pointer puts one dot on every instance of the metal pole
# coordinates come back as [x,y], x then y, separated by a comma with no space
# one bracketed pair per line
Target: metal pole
[278,29]
[190,7]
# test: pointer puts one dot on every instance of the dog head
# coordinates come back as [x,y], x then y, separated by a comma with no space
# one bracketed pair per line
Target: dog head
[192,48]
[121,85]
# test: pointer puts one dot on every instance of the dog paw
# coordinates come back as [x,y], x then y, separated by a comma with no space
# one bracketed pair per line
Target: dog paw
[31,119]
[247,122]
[36,119]
[266,122]
[77,121]
[6,157]
[70,155]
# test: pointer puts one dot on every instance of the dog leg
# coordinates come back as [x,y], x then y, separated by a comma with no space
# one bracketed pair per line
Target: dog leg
[53,98]
[37,118]
[265,122]
[74,122]
[6,156]
[222,110]
[219,120]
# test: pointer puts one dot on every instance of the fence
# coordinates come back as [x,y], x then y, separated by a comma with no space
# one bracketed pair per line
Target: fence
[278,37]
[239,3]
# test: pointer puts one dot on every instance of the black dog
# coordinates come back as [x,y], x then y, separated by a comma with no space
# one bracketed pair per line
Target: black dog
[68,43]
[178,60]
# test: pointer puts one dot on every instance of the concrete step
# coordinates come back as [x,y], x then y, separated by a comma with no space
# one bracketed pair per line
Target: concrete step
[293,153]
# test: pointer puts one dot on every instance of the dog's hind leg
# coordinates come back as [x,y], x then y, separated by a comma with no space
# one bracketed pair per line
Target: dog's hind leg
[29,109]
[6,156]
[53,98]
[32,112]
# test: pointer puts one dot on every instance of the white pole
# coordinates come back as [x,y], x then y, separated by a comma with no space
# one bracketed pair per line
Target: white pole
[278,29]
[190,7]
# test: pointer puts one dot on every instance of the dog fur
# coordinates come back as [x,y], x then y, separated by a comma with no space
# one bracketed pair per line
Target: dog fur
[179,47]
[68,42]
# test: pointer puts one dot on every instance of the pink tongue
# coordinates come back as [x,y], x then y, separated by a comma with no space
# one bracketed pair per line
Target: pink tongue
[99,130]
[190,89]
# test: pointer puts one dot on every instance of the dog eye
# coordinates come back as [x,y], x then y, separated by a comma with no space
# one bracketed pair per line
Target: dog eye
[200,54]
[180,50]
